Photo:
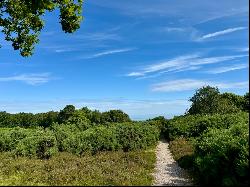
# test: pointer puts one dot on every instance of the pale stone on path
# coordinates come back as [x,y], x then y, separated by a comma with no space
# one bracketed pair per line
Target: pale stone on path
[167,171]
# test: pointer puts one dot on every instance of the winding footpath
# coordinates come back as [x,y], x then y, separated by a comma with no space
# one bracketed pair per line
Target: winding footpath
[167,171]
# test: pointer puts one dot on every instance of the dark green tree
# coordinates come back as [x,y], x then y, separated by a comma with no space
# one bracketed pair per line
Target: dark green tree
[208,100]
[66,113]
[79,119]
[96,117]
[47,119]
[246,102]
[21,20]
[115,116]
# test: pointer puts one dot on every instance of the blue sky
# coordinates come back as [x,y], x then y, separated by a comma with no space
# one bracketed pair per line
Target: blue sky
[142,56]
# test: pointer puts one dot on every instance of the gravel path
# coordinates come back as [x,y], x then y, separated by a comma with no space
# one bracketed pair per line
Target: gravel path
[167,171]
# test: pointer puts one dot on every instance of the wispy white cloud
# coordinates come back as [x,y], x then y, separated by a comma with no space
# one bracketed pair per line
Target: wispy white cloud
[65,50]
[244,49]
[181,63]
[135,74]
[227,68]
[174,29]
[176,62]
[214,60]
[192,84]
[99,36]
[31,79]
[223,32]
[110,52]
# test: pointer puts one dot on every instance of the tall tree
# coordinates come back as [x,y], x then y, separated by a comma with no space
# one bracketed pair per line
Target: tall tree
[208,100]
[21,20]
[66,113]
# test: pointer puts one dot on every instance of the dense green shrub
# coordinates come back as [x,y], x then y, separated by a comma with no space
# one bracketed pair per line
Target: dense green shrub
[62,132]
[5,140]
[126,136]
[194,125]
[10,137]
[75,138]
[79,119]
[221,156]
[39,143]
[160,122]
[28,142]
[92,140]
[136,135]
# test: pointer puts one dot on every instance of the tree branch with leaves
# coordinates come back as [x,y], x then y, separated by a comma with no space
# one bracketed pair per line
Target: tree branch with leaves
[21,20]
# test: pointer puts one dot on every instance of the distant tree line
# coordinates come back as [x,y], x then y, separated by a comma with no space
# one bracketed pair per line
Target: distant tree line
[68,114]
[206,100]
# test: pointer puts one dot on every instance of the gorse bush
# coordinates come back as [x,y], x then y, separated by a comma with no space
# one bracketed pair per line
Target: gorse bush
[194,125]
[215,148]
[91,141]
[75,139]
[125,136]
[40,144]
[221,156]
[136,135]
[28,142]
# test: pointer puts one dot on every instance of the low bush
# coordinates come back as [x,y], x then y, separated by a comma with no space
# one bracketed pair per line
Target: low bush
[92,140]
[221,156]
[41,144]
[77,138]
[28,142]
[126,136]
[195,125]
[133,136]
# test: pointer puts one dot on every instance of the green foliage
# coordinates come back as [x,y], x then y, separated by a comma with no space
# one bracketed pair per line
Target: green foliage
[28,142]
[136,135]
[161,123]
[79,119]
[124,136]
[91,141]
[208,100]
[66,113]
[41,144]
[114,116]
[194,125]
[246,102]
[78,137]
[63,131]
[236,100]
[21,20]
[215,148]
[27,120]
[221,156]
